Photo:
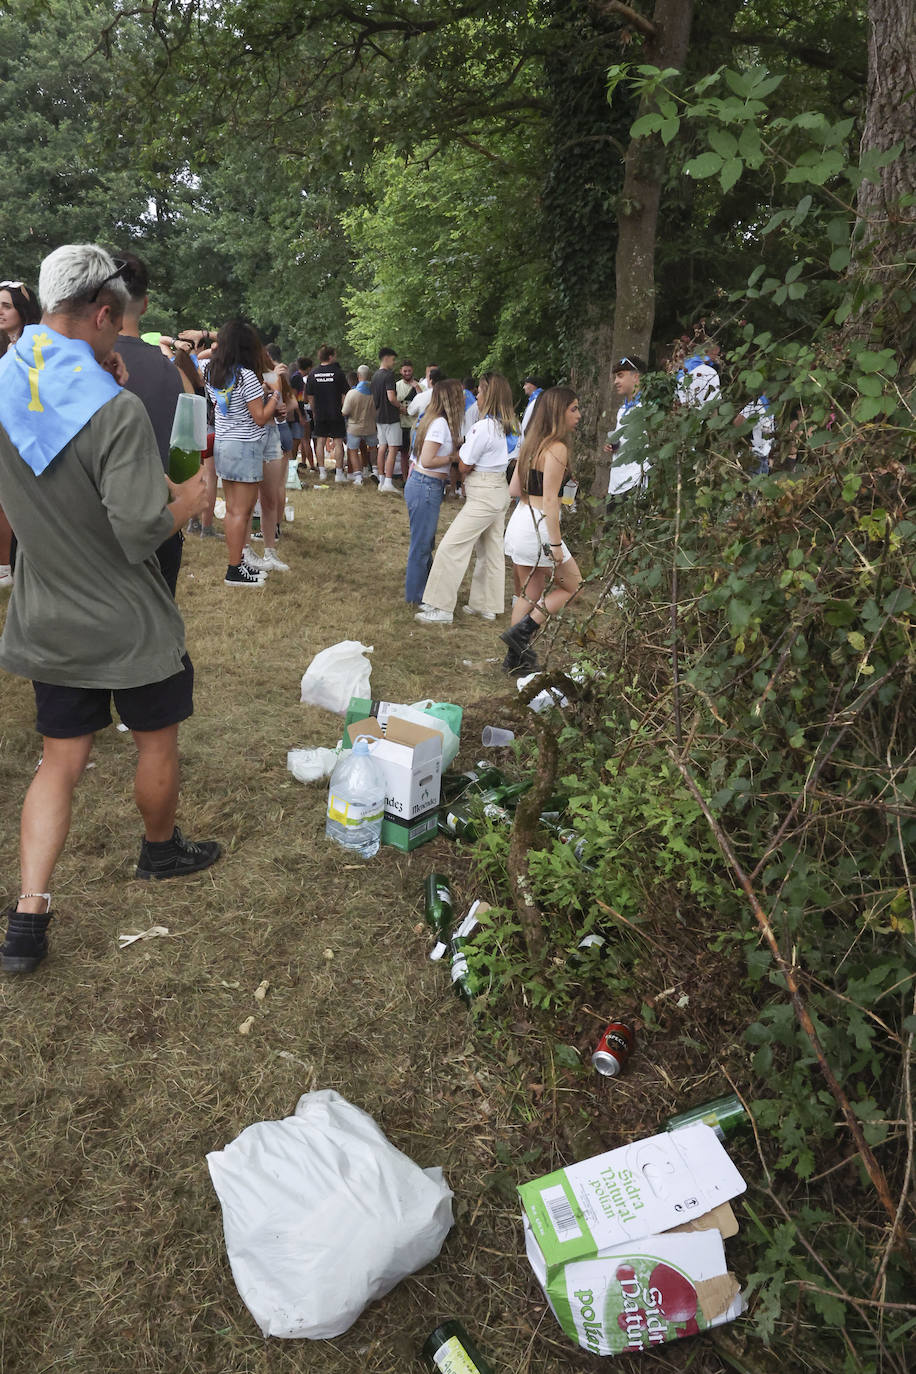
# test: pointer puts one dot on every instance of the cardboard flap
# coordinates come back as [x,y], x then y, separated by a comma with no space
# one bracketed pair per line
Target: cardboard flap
[721,1219]
[717,1295]
[400,731]
[368,726]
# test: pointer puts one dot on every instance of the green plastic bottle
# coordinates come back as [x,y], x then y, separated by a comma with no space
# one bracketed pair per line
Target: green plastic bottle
[450,1350]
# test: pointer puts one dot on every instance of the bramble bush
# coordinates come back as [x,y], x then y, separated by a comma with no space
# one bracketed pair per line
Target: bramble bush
[755,634]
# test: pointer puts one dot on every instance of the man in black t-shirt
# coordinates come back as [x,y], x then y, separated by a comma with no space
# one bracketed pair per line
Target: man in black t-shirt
[388,419]
[326,386]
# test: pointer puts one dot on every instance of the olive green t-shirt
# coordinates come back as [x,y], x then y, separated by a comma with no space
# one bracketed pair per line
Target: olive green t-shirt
[90,607]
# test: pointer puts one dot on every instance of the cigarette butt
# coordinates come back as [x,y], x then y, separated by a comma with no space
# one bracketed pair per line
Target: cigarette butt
[246,1025]
[260,991]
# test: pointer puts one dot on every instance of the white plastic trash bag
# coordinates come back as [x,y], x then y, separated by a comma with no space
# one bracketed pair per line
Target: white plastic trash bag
[337,674]
[309,765]
[322,1215]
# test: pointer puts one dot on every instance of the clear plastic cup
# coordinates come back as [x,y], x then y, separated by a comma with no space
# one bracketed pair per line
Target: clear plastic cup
[494,738]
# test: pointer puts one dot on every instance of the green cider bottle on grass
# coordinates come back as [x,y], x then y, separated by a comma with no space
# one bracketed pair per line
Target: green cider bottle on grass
[724,1114]
[439,911]
[450,1350]
[461,818]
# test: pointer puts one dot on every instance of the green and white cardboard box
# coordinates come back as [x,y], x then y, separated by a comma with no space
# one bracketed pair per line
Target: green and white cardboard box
[598,1238]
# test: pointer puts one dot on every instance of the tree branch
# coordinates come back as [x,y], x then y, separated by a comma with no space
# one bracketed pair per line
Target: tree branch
[627,12]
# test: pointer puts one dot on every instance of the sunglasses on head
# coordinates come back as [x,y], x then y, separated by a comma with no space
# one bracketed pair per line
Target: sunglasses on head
[17,286]
[120,271]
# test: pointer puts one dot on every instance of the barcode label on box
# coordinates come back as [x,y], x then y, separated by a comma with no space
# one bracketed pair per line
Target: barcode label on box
[561,1213]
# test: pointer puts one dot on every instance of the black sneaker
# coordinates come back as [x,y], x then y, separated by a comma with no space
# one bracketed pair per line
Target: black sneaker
[175,858]
[237,575]
[26,942]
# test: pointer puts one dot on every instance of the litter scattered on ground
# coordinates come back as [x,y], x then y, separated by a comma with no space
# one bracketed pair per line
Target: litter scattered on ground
[311,765]
[288,1196]
[153,933]
[628,1246]
[245,1027]
[337,674]
[261,990]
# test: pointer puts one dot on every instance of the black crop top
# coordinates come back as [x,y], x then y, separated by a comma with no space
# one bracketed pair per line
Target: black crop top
[536,481]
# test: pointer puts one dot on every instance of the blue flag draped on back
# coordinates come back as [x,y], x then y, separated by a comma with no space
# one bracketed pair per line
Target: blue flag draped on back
[50,387]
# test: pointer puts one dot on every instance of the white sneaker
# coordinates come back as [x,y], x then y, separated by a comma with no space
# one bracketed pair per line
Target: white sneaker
[357,479]
[484,615]
[340,476]
[322,475]
[252,561]
[273,563]
[6,575]
[431,615]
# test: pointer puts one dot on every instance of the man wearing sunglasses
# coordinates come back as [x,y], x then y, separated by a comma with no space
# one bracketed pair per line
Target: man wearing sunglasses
[90,613]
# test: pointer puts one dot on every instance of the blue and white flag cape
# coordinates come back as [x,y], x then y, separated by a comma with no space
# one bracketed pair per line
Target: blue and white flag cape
[50,387]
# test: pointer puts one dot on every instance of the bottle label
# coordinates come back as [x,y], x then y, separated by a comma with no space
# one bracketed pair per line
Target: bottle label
[437,951]
[452,821]
[353,813]
[452,1358]
[459,967]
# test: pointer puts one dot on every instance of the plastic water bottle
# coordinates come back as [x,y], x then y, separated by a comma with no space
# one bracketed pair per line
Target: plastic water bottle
[356,801]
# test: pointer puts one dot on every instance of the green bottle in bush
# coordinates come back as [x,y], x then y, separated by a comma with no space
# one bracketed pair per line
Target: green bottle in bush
[462,818]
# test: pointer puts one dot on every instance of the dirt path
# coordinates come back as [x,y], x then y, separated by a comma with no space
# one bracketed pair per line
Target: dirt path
[120,1070]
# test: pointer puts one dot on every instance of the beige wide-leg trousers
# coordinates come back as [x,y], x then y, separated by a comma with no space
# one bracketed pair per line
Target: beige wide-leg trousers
[479,524]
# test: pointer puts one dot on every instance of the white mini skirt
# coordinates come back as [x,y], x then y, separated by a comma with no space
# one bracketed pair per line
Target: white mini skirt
[526,535]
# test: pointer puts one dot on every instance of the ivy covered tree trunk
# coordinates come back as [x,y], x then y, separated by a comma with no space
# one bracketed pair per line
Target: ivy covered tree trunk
[887,248]
[637,222]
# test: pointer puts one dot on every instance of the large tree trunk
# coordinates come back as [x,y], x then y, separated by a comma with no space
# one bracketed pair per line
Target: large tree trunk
[887,249]
[637,221]
[642,188]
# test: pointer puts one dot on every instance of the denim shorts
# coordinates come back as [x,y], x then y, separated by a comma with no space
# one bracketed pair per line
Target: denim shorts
[239,460]
[295,429]
[274,446]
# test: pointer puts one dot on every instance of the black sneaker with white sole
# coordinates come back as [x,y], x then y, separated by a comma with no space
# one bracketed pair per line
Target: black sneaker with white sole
[26,941]
[237,575]
[175,858]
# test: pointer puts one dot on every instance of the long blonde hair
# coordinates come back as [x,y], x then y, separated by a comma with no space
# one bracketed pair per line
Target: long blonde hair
[547,426]
[498,402]
[447,404]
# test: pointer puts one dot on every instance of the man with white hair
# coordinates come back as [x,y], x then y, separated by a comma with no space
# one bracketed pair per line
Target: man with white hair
[359,413]
[90,614]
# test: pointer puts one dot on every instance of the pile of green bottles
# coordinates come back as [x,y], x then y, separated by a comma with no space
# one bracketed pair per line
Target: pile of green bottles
[452,939]
[482,791]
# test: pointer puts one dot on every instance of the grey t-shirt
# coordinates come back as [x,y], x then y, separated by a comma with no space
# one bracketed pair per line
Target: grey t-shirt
[90,607]
[158,384]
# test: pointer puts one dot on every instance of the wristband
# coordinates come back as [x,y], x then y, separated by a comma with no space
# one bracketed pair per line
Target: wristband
[556,546]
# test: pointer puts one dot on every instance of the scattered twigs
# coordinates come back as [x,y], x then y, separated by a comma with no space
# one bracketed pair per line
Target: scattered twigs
[873,1168]
[637,930]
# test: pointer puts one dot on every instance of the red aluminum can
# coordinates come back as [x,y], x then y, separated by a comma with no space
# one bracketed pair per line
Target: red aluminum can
[614,1048]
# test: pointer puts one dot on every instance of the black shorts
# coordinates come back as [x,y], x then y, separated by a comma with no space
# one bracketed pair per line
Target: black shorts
[330,429]
[68,712]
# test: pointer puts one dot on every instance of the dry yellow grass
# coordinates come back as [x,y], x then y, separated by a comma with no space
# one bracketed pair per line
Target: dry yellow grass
[121,1069]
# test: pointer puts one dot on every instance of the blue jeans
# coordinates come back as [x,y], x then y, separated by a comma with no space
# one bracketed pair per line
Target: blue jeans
[423,497]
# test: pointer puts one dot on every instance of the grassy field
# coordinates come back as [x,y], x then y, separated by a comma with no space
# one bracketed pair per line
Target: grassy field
[121,1069]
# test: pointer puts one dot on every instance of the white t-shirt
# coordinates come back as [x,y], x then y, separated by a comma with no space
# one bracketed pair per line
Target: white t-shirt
[529,408]
[764,427]
[439,433]
[485,447]
[623,475]
[697,384]
[237,423]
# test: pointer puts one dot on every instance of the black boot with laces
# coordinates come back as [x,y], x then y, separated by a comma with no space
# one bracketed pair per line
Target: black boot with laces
[26,942]
[175,858]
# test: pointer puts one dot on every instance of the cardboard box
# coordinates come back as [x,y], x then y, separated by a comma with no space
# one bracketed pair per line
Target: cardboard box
[411,759]
[628,1246]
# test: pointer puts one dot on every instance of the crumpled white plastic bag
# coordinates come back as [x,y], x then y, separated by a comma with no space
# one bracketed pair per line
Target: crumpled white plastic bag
[337,674]
[308,765]
[322,1215]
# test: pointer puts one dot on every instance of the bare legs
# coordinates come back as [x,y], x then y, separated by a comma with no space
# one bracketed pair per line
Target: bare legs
[273,493]
[48,803]
[240,501]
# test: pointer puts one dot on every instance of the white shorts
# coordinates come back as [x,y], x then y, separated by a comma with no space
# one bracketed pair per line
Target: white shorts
[526,535]
[390,434]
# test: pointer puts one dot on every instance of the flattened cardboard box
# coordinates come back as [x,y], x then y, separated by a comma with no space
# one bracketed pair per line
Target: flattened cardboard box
[628,1245]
